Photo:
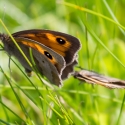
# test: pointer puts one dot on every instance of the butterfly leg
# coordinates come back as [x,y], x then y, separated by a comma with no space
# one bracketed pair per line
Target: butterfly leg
[28,72]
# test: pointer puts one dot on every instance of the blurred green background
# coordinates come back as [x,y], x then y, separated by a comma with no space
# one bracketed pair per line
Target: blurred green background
[74,103]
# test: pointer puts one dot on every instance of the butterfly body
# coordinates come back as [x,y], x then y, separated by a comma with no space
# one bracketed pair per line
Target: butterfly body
[54,53]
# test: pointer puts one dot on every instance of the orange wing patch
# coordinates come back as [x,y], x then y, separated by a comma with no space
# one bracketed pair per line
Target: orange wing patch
[38,48]
[50,41]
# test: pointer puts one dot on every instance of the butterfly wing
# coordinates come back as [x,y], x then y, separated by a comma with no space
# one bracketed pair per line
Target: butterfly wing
[56,59]
[49,63]
[64,44]
[68,70]
[46,68]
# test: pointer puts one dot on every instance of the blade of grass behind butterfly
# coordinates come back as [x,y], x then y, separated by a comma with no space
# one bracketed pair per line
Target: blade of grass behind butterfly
[100,42]
[95,102]
[56,112]
[121,109]
[93,98]
[90,65]
[92,60]
[17,97]
[4,106]
[51,96]
[28,120]
[58,103]
[112,14]
[3,122]
[92,12]
[93,94]
[33,100]
[87,47]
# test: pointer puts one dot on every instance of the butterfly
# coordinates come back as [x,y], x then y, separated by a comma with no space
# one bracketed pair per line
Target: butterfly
[54,53]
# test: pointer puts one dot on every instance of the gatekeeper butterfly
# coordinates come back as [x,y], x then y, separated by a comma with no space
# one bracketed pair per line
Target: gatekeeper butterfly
[54,53]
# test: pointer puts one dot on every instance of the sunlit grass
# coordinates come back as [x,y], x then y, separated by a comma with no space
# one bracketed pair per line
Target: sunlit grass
[100,27]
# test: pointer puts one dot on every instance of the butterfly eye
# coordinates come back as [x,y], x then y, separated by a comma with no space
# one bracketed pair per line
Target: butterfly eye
[48,55]
[60,41]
